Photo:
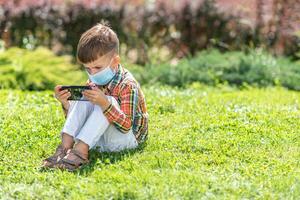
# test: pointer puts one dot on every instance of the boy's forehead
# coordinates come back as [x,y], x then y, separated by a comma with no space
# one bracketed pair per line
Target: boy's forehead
[102,60]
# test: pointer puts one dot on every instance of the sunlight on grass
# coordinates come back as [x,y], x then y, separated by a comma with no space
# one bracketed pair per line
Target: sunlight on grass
[203,142]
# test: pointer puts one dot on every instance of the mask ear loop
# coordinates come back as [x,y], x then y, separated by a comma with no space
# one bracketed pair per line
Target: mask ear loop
[113,69]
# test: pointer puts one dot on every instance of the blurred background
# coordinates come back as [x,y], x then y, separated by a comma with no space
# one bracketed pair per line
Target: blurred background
[235,42]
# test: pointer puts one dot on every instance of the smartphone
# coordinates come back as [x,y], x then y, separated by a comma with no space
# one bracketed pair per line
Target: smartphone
[76,92]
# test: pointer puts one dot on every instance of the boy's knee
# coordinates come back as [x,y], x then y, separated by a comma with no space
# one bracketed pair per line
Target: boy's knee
[72,104]
[81,106]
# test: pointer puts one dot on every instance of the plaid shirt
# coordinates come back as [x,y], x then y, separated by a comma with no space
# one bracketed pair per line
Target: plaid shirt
[133,111]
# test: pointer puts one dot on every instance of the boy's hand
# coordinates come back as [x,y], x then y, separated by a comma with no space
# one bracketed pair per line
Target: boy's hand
[89,83]
[96,96]
[62,96]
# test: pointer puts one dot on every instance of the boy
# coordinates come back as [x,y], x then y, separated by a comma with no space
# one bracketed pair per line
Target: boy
[115,116]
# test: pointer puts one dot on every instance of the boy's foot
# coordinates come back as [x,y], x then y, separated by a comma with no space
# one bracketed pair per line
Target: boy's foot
[58,155]
[72,161]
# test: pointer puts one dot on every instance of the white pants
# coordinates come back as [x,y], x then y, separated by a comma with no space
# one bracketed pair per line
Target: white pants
[86,122]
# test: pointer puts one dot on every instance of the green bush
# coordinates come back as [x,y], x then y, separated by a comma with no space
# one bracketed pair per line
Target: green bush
[36,70]
[236,68]
[41,69]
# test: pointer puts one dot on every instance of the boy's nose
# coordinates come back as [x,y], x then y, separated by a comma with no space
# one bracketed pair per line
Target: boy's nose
[93,71]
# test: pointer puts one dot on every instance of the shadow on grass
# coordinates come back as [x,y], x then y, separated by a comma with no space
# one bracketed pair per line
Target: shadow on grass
[108,158]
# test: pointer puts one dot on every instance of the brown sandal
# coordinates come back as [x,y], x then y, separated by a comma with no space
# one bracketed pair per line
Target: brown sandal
[58,155]
[74,164]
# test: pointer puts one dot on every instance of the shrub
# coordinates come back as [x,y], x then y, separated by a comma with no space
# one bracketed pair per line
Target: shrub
[36,70]
[41,69]
[184,28]
[236,68]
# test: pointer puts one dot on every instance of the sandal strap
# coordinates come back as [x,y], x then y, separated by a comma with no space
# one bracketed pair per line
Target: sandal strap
[67,161]
[78,154]
[51,159]
[79,160]
[61,149]
[60,152]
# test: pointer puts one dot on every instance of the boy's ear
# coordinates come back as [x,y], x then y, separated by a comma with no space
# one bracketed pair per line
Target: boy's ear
[117,60]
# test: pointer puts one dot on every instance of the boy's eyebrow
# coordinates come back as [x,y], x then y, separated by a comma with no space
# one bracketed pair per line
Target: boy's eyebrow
[94,66]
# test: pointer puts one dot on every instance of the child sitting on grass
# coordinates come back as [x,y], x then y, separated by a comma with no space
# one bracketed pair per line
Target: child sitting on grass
[115,116]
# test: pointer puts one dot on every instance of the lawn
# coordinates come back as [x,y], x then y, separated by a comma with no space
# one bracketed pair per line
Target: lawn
[208,143]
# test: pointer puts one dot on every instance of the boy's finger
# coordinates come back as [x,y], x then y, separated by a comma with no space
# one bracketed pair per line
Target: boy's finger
[88,98]
[88,91]
[95,87]
[95,90]
[85,93]
[88,95]
[91,84]
[66,94]
[63,92]
[56,88]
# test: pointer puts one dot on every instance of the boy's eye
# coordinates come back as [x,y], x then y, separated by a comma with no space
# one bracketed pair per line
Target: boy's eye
[95,68]
[98,67]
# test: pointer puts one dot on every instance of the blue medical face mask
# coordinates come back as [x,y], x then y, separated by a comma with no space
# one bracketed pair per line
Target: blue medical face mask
[103,77]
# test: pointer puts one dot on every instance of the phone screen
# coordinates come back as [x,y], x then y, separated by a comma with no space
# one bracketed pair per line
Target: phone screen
[76,92]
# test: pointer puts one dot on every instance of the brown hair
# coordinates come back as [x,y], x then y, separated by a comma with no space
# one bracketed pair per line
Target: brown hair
[96,42]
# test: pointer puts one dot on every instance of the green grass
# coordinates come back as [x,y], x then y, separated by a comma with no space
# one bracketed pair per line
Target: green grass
[203,143]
